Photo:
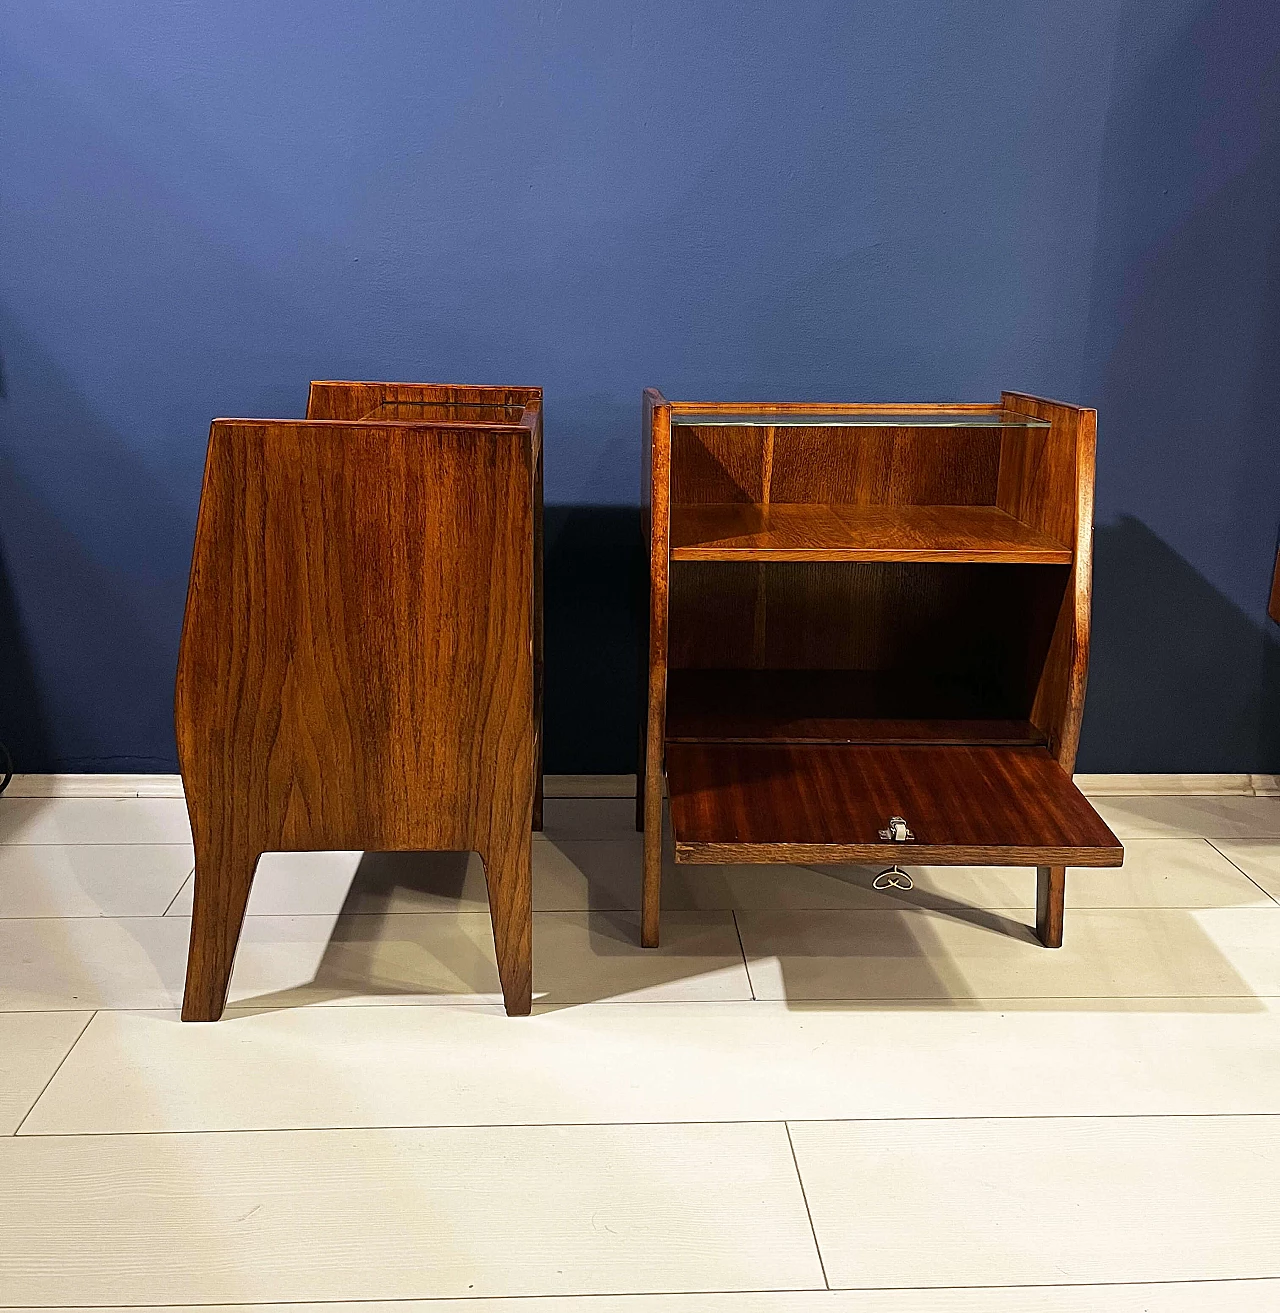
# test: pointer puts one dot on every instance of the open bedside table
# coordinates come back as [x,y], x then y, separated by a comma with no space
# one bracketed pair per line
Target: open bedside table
[869,637]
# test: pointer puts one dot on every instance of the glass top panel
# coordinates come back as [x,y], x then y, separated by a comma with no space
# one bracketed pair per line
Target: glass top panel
[887,418]
[448,412]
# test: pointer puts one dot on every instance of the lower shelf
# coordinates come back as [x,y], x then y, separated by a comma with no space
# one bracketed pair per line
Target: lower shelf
[838,706]
[827,803]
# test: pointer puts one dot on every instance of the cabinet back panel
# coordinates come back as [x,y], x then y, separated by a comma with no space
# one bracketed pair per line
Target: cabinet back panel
[886,467]
[853,466]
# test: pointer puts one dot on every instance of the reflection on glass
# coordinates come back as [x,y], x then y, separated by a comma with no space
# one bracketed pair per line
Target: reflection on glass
[448,412]
[927,419]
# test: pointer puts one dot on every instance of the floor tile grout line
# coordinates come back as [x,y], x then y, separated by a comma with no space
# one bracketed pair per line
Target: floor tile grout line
[1270,902]
[494,1004]
[100,843]
[1266,892]
[17,1130]
[813,1230]
[742,948]
[661,1122]
[926,1003]
[177,893]
[660,1294]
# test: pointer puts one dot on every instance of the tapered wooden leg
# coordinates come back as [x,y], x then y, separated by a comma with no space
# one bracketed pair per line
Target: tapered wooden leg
[1051,893]
[224,876]
[651,892]
[508,871]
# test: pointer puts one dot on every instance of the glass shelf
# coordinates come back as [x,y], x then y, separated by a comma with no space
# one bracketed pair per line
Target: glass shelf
[887,418]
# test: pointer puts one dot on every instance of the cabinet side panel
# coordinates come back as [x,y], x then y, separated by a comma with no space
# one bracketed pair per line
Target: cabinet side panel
[1047,480]
[356,668]
[656,491]
[336,399]
[712,463]
[657,438]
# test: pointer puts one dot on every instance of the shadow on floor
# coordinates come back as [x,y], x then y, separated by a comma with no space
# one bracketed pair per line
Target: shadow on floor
[922,950]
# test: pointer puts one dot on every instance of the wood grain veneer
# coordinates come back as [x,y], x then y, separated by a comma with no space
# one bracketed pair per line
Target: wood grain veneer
[360,665]
[966,804]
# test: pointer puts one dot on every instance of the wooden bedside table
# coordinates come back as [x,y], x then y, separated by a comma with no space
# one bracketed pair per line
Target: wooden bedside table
[869,637]
[361,659]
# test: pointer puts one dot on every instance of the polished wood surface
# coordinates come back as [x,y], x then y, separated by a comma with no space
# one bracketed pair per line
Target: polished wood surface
[916,585]
[1011,806]
[360,662]
[807,531]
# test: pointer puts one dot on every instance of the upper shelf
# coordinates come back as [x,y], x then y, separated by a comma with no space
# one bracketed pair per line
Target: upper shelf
[864,417]
[805,531]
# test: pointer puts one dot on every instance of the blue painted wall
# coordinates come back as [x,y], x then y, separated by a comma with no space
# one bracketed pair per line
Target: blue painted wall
[204,206]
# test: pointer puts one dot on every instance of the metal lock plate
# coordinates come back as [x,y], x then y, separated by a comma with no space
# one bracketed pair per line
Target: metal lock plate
[896,831]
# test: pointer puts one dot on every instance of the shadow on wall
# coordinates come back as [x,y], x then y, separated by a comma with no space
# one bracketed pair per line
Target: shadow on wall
[22,725]
[1182,680]
[93,565]
[595,598]
[1183,364]
[23,729]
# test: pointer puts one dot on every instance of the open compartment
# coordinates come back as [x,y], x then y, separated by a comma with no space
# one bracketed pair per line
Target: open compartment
[810,702]
[860,485]
[855,652]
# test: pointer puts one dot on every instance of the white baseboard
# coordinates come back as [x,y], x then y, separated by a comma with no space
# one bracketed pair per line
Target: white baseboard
[624,786]
[1120,786]
[170,786]
[589,786]
[95,786]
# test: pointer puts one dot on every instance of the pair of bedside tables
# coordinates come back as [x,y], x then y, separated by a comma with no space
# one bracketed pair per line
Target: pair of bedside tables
[867,642]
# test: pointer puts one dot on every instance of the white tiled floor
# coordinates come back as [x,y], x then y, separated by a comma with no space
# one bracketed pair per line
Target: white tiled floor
[813,1097]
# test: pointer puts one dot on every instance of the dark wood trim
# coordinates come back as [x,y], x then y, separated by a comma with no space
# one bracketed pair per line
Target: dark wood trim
[657,426]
